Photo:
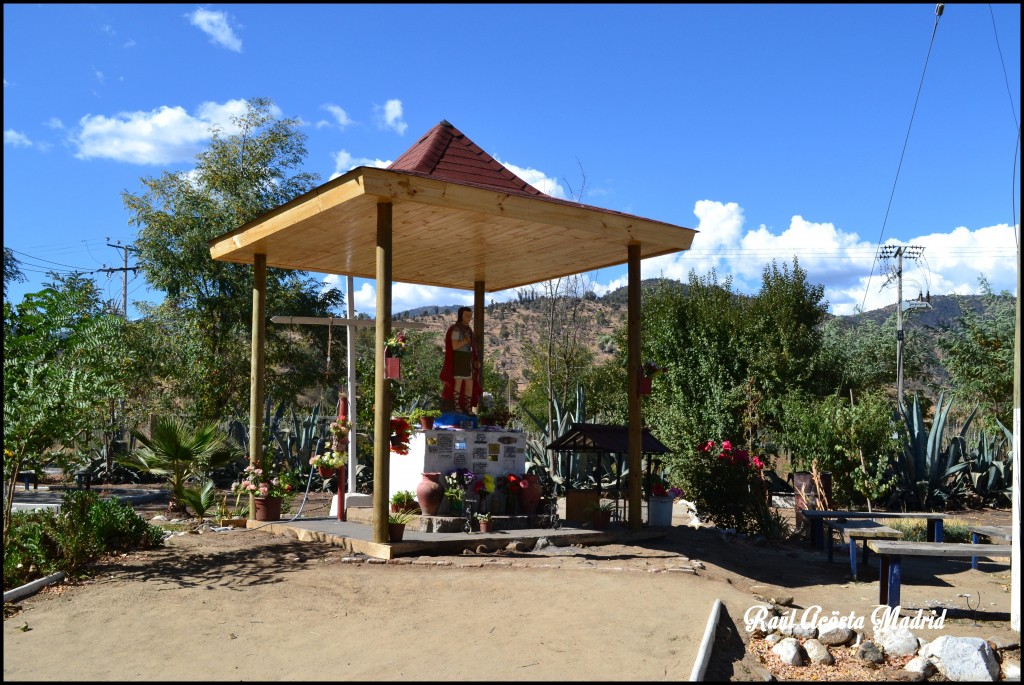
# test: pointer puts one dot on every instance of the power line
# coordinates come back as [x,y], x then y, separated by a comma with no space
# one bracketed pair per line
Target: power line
[906,140]
[40,259]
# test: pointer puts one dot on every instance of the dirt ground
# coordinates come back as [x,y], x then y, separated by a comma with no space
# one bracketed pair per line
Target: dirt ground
[249,605]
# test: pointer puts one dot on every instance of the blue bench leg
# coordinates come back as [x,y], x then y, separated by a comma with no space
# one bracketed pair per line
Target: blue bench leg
[934,530]
[883,579]
[27,479]
[817,532]
[895,573]
[828,543]
[853,557]
[975,538]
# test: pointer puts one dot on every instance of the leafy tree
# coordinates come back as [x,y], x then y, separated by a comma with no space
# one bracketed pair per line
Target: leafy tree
[978,353]
[207,312]
[62,354]
[12,270]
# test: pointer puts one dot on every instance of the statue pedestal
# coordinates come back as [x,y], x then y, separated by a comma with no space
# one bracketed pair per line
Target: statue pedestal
[484,452]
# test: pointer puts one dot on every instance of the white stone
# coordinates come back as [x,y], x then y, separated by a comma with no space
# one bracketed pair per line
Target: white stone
[962,658]
[805,631]
[896,640]
[818,653]
[789,652]
[920,664]
[1011,670]
[834,635]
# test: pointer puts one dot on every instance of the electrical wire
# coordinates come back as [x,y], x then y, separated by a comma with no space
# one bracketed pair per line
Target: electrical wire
[906,141]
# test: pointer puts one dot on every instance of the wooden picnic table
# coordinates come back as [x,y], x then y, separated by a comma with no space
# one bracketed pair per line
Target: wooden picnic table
[863,530]
[891,553]
[992,533]
[818,517]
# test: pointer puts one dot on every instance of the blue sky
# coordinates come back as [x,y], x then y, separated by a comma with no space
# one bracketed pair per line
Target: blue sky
[775,130]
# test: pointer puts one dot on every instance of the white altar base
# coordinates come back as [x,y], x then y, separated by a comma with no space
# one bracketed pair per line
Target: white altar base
[484,452]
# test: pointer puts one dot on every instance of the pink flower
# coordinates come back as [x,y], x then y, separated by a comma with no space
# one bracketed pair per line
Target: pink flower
[726,445]
[708,447]
[263,489]
[758,464]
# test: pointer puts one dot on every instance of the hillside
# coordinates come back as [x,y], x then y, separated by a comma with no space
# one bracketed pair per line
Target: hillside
[511,327]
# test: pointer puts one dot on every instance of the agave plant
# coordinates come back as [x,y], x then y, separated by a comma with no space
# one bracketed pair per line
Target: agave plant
[991,472]
[928,475]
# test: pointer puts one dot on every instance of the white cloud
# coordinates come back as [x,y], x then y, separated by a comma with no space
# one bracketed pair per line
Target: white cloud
[160,136]
[99,76]
[340,116]
[391,116]
[215,25]
[12,137]
[345,162]
[54,123]
[537,179]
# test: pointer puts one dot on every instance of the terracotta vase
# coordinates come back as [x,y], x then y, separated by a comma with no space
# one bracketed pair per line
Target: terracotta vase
[429,493]
[326,471]
[396,531]
[485,526]
[268,508]
[427,423]
[529,497]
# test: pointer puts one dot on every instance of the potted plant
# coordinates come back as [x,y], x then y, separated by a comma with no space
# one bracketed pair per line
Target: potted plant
[485,521]
[329,461]
[601,514]
[397,520]
[401,432]
[455,484]
[403,500]
[234,517]
[268,487]
[424,417]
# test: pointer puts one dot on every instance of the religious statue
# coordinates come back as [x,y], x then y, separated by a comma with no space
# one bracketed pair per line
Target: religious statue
[460,374]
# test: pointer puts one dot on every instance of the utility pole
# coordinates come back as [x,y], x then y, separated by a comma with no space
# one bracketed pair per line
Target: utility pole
[911,252]
[125,269]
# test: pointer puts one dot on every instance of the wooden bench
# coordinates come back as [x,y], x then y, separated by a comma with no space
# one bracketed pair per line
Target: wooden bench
[1002,533]
[818,517]
[859,530]
[891,553]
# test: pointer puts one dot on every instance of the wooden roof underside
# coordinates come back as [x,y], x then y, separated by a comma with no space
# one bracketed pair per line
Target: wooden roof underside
[444,233]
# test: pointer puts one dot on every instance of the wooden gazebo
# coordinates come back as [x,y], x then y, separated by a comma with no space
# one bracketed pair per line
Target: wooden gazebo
[445,214]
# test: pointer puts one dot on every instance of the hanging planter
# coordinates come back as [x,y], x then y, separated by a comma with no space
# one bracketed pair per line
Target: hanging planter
[392,368]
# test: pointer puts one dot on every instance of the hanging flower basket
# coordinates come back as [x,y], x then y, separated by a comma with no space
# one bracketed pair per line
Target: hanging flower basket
[392,368]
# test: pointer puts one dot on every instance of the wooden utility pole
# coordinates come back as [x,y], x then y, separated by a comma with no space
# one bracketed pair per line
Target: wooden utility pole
[912,252]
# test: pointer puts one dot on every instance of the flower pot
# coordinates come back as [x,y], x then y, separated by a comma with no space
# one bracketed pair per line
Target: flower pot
[659,511]
[429,493]
[455,507]
[396,531]
[529,497]
[644,386]
[600,519]
[232,523]
[485,526]
[392,367]
[268,508]
[326,471]
[427,423]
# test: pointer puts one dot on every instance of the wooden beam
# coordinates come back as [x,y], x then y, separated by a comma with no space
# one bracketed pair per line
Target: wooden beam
[633,304]
[259,314]
[399,187]
[382,386]
[478,323]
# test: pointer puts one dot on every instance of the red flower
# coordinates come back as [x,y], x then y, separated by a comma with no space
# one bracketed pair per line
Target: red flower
[659,490]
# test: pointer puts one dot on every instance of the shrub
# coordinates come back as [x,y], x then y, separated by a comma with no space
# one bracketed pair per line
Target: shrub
[83,529]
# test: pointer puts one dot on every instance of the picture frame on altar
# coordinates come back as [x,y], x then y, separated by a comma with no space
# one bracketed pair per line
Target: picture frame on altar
[494,449]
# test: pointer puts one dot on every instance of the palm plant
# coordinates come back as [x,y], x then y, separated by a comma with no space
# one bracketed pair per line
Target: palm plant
[179,453]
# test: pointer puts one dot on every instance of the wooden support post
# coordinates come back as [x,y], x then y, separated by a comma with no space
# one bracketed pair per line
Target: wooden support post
[633,386]
[382,386]
[259,317]
[478,323]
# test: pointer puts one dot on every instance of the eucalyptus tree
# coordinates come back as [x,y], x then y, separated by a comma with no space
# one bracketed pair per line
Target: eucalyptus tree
[206,316]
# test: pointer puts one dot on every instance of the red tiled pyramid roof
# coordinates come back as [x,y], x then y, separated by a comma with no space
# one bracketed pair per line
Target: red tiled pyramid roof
[445,153]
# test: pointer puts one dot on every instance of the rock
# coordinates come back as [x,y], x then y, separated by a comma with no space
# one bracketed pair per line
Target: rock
[482,549]
[773,638]
[818,653]
[870,652]
[962,658]
[763,674]
[834,635]
[1010,670]
[805,631]
[159,517]
[541,544]
[515,546]
[920,664]
[790,652]
[896,640]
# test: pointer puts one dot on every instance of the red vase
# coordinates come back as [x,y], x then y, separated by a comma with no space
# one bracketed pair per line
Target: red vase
[268,508]
[529,497]
[429,493]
